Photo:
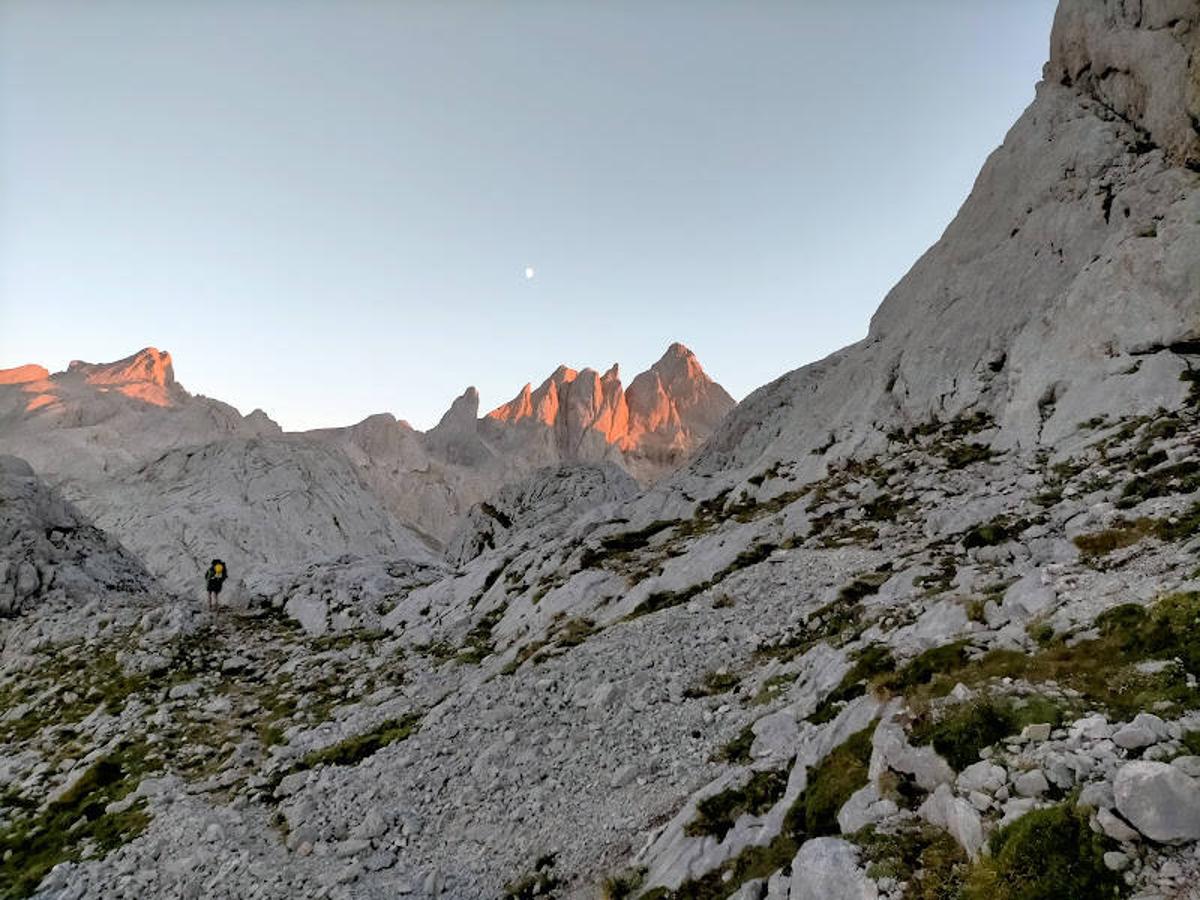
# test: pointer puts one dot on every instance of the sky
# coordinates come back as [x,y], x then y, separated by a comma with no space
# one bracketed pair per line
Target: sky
[327,209]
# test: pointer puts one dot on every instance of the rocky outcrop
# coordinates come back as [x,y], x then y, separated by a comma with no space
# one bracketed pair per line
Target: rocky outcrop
[264,505]
[540,505]
[49,551]
[1063,290]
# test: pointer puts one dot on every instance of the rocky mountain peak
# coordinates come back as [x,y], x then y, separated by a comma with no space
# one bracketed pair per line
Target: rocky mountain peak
[667,411]
[147,375]
[23,374]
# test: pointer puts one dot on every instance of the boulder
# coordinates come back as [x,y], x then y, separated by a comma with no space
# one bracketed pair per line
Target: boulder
[956,815]
[827,868]
[1159,801]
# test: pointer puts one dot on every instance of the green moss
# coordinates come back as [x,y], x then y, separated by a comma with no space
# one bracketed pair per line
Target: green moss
[31,845]
[1047,854]
[716,814]
[354,750]
[831,783]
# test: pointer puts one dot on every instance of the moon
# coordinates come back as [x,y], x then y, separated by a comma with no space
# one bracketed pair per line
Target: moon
[529,273]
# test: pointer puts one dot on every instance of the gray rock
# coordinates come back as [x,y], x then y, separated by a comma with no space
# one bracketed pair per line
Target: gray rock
[827,869]
[956,815]
[1031,784]
[1115,827]
[1159,801]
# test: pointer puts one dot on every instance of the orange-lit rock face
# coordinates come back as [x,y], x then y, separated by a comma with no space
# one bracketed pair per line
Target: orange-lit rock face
[673,406]
[147,376]
[23,374]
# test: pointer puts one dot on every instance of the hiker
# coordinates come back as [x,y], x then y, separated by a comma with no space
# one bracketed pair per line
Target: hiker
[215,576]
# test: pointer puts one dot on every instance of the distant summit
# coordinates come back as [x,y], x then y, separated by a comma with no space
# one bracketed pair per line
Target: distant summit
[93,419]
[146,375]
[667,411]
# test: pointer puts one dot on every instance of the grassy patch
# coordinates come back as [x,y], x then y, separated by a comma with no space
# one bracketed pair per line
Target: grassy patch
[812,815]
[1122,534]
[623,885]
[717,814]
[999,530]
[923,668]
[617,546]
[959,456]
[1047,854]
[76,824]
[1103,670]
[926,857]
[773,686]
[355,749]
[713,683]
[885,508]
[1180,478]
[660,600]
[563,634]
[830,785]
[478,644]
[963,730]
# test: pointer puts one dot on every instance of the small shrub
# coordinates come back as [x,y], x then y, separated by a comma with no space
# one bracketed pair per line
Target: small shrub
[965,729]
[1047,854]
[738,749]
[927,857]
[623,886]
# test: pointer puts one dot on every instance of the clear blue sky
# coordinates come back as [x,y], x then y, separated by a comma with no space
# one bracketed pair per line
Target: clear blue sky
[325,209]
